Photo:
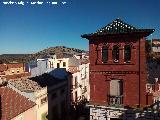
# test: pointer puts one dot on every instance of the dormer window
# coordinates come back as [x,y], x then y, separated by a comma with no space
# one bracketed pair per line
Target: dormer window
[115,53]
[127,53]
[104,54]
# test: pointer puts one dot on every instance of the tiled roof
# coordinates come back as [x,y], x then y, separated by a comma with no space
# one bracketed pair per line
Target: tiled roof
[118,27]
[3,67]
[13,104]
[156,94]
[15,65]
[25,84]
[73,70]
[18,75]
[35,83]
[84,61]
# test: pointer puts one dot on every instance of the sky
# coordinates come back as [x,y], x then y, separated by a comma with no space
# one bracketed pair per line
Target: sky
[30,28]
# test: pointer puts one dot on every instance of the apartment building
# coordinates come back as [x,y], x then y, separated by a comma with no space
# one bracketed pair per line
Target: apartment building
[40,66]
[78,66]
[13,70]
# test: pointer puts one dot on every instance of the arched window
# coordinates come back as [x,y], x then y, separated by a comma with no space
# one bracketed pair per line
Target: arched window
[115,53]
[104,54]
[127,53]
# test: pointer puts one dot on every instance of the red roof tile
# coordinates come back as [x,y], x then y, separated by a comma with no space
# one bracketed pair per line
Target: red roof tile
[156,94]
[15,76]
[13,104]
[3,67]
[84,61]
[73,70]
[15,65]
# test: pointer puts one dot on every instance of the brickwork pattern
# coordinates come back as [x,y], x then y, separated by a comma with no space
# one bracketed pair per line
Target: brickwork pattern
[100,83]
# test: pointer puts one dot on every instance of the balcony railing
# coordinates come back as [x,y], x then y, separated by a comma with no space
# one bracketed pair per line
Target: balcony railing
[115,99]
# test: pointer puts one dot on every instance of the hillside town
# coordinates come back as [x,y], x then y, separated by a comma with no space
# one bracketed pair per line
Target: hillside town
[118,79]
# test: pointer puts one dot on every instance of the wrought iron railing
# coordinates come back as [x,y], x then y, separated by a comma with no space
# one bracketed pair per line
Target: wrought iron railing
[115,99]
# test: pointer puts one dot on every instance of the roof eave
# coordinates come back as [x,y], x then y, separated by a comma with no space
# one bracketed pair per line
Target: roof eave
[142,33]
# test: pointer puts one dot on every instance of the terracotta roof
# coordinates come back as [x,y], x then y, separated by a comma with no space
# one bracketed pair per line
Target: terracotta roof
[15,65]
[3,67]
[19,75]
[73,70]
[13,104]
[156,94]
[84,61]
[118,27]
[35,83]
[25,84]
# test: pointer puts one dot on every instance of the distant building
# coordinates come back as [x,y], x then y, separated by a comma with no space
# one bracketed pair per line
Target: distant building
[153,80]
[13,70]
[82,56]
[117,73]
[80,88]
[40,66]
[78,66]
[15,106]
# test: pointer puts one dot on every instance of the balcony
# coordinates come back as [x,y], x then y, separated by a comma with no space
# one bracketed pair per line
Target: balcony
[115,100]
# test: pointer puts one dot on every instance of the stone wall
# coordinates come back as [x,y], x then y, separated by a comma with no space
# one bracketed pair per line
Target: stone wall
[109,113]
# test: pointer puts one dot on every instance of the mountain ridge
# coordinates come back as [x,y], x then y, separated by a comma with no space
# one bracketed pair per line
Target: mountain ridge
[60,51]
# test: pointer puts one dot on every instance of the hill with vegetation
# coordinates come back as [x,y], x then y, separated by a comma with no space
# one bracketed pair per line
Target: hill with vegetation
[60,51]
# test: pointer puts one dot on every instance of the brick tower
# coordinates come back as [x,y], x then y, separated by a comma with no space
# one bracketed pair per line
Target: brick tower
[118,64]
